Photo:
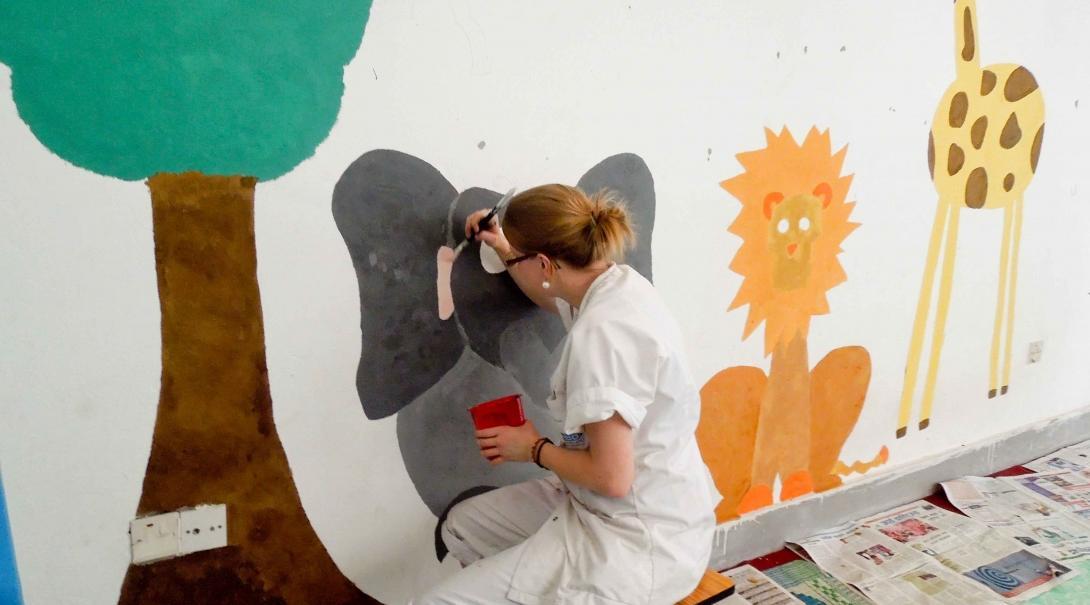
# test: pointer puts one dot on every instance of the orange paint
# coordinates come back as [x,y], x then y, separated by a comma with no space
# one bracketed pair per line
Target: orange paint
[791,424]
[797,484]
[732,398]
[787,313]
[758,497]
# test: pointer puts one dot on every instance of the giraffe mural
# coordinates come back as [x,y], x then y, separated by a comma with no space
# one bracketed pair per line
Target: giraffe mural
[982,153]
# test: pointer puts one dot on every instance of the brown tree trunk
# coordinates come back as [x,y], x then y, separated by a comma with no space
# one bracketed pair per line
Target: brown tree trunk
[215,441]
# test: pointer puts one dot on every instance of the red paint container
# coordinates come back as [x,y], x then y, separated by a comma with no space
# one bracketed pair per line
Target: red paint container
[505,411]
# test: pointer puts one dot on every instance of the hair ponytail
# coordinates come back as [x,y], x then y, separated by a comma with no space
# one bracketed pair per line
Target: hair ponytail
[564,223]
[611,233]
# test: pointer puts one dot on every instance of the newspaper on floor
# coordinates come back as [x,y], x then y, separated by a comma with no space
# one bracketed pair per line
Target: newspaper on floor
[920,553]
[1070,490]
[930,583]
[757,589]
[1072,458]
[972,549]
[1002,503]
[812,586]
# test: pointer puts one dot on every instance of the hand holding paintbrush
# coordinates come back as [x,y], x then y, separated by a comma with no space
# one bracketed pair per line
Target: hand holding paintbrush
[475,226]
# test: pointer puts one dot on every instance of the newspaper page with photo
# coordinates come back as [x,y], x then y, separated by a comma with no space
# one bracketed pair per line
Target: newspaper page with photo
[1043,527]
[971,549]
[928,584]
[812,586]
[888,572]
[1072,458]
[920,553]
[855,554]
[757,588]
[1068,489]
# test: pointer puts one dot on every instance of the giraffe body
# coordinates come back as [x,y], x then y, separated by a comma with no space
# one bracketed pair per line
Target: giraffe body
[984,146]
[982,153]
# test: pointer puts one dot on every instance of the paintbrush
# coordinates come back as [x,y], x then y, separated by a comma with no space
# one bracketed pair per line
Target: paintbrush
[483,223]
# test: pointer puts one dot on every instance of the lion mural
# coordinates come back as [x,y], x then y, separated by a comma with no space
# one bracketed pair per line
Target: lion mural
[791,423]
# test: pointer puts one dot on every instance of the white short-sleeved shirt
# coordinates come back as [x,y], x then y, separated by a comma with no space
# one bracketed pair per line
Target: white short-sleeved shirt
[624,355]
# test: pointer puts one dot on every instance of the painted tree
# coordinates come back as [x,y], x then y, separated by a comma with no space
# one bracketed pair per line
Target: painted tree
[203,99]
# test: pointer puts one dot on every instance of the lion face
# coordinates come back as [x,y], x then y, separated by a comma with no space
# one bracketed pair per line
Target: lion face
[792,229]
[793,219]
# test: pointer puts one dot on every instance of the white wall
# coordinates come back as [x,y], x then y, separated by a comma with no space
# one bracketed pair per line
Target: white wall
[552,88]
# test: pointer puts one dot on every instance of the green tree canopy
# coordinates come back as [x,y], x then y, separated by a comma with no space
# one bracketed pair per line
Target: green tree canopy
[129,88]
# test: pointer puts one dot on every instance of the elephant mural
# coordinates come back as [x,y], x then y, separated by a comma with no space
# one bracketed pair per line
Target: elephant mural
[400,219]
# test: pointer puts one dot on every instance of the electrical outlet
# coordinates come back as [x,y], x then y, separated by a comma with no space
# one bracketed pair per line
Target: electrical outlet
[1035,349]
[154,537]
[203,528]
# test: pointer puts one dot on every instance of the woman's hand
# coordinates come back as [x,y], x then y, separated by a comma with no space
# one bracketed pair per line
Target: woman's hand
[508,443]
[492,235]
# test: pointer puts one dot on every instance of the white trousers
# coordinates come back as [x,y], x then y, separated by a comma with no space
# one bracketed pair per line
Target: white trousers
[487,534]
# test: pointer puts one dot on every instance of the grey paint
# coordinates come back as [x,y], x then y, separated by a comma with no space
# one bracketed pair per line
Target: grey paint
[628,175]
[391,210]
[394,212]
[765,532]
[436,435]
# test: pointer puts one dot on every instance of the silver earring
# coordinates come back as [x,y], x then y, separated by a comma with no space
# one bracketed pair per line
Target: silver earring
[546,285]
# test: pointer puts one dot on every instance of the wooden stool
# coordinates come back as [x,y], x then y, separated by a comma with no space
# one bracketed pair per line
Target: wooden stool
[713,587]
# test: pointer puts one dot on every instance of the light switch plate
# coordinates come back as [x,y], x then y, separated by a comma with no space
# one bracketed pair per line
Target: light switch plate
[1035,349]
[154,538]
[203,528]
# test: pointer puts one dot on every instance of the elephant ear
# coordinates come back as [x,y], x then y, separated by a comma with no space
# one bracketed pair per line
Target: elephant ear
[628,175]
[488,305]
[392,210]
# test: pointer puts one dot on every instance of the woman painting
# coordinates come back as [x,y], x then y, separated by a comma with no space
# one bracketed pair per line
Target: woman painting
[627,513]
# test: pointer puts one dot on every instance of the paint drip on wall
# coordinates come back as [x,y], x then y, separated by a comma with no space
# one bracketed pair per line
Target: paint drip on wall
[401,221]
[789,425]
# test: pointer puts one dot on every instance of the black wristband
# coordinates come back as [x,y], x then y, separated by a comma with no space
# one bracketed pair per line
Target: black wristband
[536,451]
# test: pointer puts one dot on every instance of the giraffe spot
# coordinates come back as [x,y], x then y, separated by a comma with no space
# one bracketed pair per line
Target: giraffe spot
[987,82]
[968,51]
[1035,150]
[1019,84]
[1008,182]
[931,153]
[980,127]
[954,160]
[976,188]
[959,108]
[1012,133]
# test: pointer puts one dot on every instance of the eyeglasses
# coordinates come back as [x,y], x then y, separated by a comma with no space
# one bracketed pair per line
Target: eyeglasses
[518,259]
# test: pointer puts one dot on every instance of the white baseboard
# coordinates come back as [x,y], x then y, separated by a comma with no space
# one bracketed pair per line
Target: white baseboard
[766,531]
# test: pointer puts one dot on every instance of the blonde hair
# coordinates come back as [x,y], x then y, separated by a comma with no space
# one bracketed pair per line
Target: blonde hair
[566,224]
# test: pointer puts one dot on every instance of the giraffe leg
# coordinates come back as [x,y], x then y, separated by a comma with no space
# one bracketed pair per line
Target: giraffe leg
[923,306]
[1001,299]
[1016,238]
[941,307]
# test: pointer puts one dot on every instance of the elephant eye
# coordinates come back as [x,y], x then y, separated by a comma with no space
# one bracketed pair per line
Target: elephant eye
[804,224]
[783,225]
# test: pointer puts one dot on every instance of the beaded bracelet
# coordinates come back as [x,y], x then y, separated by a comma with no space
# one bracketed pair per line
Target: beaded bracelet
[535,454]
